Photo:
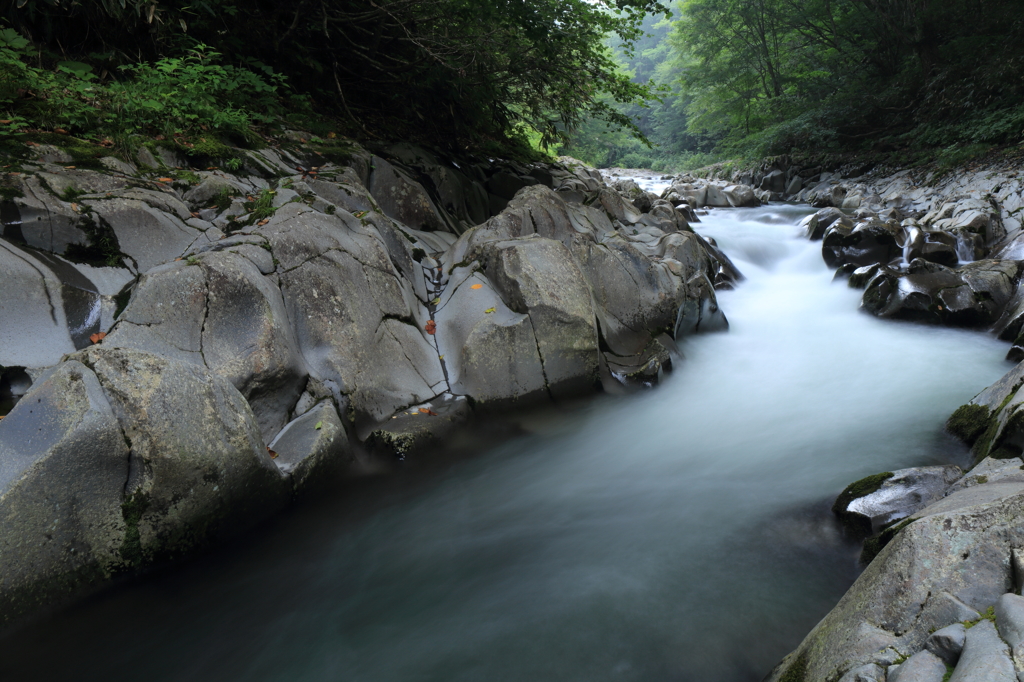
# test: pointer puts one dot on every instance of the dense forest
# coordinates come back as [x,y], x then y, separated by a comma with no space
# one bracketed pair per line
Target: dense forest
[750,78]
[628,82]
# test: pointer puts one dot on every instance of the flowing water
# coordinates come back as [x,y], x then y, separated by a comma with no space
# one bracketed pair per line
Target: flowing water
[679,534]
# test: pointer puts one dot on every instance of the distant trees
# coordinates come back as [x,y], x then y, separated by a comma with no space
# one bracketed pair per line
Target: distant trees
[779,74]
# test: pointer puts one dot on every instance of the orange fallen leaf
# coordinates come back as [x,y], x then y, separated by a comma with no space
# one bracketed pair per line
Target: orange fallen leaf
[60,131]
[165,179]
[477,286]
[431,327]
[424,410]
[96,338]
[5,121]
[264,221]
[74,207]
[32,144]
[69,168]
[194,214]
[273,455]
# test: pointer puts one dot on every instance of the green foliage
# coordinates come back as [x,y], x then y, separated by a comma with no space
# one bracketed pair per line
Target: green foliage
[192,94]
[462,73]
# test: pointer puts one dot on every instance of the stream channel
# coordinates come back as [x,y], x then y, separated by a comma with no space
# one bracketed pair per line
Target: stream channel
[680,534]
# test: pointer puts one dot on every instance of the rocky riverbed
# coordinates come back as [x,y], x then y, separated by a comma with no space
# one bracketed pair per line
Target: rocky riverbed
[939,598]
[188,349]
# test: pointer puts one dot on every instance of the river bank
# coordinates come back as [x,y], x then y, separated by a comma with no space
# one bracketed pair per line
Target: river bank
[631,537]
[939,248]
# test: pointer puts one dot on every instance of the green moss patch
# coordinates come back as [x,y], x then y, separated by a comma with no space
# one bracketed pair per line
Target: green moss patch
[864,486]
[132,510]
[872,546]
[968,422]
[797,670]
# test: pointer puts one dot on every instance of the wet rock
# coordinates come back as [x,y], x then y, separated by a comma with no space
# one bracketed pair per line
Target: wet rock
[878,501]
[538,277]
[417,430]
[985,657]
[35,330]
[923,666]
[957,547]
[63,465]
[314,450]
[866,243]
[700,312]
[973,295]
[948,642]
[198,469]
[41,220]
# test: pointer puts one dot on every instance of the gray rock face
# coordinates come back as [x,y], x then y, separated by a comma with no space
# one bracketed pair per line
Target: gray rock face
[34,332]
[314,450]
[63,466]
[948,642]
[402,198]
[1009,612]
[41,220]
[197,469]
[985,657]
[538,277]
[971,296]
[865,243]
[356,317]
[923,666]
[491,356]
[906,492]
[956,552]
[148,235]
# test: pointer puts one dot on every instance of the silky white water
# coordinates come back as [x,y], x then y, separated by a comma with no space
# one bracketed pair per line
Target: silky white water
[679,534]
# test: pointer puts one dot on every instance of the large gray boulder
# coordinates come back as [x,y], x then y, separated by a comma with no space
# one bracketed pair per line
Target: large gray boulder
[1009,612]
[924,666]
[351,295]
[197,467]
[41,220]
[63,467]
[150,235]
[952,560]
[490,351]
[539,278]
[973,295]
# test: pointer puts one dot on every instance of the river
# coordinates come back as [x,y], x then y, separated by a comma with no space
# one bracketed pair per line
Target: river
[680,534]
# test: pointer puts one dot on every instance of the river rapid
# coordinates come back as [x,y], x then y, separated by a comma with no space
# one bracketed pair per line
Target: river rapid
[680,534]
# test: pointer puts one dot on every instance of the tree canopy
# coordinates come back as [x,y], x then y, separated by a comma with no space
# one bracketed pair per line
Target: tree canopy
[760,77]
[455,72]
